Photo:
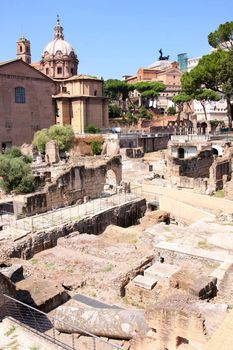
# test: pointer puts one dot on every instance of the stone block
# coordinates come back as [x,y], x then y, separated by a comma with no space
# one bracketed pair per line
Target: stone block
[161,271]
[14,272]
[145,282]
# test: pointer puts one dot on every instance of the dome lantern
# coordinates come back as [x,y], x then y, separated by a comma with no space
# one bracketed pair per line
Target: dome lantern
[59,60]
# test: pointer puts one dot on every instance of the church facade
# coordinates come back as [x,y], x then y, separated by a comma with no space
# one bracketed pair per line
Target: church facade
[78,98]
[34,96]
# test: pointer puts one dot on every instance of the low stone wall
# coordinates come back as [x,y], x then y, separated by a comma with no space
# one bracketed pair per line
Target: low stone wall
[125,215]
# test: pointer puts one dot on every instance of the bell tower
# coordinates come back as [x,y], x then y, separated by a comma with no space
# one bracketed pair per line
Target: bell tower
[23,50]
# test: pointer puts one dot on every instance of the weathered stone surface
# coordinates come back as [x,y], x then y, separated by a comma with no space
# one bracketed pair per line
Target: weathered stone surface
[145,282]
[177,323]
[72,184]
[161,271]
[52,152]
[6,287]
[115,323]
[204,287]
[13,272]
[156,216]
[124,215]
[41,293]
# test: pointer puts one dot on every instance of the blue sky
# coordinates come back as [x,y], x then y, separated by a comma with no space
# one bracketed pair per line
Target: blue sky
[113,38]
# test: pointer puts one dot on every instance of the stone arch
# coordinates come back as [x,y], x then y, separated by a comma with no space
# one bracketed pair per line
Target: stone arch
[110,181]
[217,150]
[180,152]
[115,165]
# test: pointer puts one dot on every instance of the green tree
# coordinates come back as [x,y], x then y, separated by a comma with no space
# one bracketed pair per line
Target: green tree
[117,89]
[206,96]
[213,72]
[222,38]
[63,135]
[114,111]
[180,100]
[15,172]
[171,110]
[148,91]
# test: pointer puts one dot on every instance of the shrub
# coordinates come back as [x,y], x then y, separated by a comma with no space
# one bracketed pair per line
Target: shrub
[114,111]
[63,135]
[91,129]
[171,111]
[96,147]
[15,172]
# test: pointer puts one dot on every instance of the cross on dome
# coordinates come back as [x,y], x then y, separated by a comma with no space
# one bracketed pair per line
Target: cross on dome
[58,30]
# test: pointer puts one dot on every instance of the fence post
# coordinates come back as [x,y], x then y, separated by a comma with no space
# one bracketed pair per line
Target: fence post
[32,224]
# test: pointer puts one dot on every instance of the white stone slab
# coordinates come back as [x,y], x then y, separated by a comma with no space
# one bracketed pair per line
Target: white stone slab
[144,282]
[161,271]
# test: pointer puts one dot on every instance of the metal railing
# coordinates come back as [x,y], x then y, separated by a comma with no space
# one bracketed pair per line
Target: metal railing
[190,137]
[67,214]
[44,325]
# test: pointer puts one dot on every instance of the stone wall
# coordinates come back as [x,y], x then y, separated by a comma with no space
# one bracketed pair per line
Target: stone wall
[148,144]
[67,188]
[124,216]
[193,167]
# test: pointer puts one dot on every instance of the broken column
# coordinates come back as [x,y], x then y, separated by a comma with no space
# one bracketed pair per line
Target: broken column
[114,323]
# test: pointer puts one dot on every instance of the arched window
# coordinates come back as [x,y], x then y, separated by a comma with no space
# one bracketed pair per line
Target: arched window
[20,95]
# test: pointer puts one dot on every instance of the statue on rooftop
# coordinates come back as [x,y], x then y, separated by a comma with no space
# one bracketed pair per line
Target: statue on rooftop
[163,58]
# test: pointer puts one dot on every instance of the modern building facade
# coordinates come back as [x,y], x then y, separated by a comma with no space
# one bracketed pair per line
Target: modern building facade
[164,71]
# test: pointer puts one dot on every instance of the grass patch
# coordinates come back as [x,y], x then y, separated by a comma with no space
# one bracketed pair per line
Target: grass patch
[50,265]
[34,347]
[69,269]
[34,261]
[107,268]
[219,194]
[10,331]
[205,245]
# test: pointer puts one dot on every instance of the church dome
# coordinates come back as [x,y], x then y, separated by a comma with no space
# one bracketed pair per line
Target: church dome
[56,45]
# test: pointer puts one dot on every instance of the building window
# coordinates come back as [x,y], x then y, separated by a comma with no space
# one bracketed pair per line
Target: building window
[95,93]
[47,71]
[59,70]
[72,70]
[20,49]
[27,49]
[20,95]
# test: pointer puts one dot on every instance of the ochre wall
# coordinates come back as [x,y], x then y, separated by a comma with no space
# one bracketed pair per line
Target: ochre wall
[19,121]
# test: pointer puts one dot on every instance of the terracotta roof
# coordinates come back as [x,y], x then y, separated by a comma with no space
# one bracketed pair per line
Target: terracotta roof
[83,76]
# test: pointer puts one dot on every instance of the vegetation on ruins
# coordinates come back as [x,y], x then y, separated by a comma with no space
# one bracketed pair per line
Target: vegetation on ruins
[96,147]
[91,129]
[63,135]
[15,172]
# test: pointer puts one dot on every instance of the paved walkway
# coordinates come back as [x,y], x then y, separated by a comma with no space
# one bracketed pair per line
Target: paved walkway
[201,201]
